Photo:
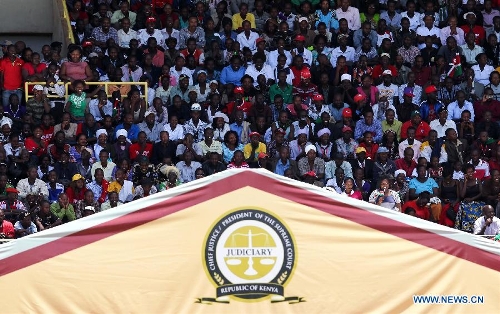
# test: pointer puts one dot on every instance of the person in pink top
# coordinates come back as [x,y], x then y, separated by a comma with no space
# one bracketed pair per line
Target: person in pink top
[349,189]
[74,68]
[368,90]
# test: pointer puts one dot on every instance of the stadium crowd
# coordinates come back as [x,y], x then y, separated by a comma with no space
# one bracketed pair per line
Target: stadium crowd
[396,103]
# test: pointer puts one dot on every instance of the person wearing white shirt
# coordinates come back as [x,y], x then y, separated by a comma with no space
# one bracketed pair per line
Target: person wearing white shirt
[487,224]
[456,108]
[177,73]
[144,34]
[452,30]
[413,16]
[272,58]
[351,14]
[131,71]
[387,89]
[125,34]
[301,51]
[101,106]
[482,70]
[175,130]
[259,68]
[428,29]
[415,146]
[247,38]
[470,50]
[342,50]
[166,35]
[441,124]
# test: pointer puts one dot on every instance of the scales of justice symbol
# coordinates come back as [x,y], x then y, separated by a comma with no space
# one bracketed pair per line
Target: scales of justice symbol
[250,271]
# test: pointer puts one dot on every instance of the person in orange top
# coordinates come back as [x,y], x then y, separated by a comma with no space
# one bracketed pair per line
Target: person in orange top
[11,78]
[421,127]
[420,206]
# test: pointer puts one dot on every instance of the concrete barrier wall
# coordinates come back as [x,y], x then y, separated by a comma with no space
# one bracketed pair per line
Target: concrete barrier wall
[28,19]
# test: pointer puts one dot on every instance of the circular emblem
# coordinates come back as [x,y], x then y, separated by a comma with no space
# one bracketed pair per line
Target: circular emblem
[249,254]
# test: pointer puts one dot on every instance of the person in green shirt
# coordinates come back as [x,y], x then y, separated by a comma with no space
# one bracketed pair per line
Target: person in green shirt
[63,209]
[390,123]
[282,88]
[77,102]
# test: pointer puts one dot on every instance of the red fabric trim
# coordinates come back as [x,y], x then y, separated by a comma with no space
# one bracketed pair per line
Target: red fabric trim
[234,182]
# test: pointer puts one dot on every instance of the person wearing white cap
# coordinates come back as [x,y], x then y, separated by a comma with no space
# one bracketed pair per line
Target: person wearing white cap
[311,162]
[151,127]
[194,125]
[387,93]
[38,104]
[102,142]
[298,145]
[221,126]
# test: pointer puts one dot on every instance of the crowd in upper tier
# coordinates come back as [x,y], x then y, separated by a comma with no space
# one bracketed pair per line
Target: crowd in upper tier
[393,102]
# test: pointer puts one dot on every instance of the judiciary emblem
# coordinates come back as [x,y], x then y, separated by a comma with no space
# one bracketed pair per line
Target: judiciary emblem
[249,255]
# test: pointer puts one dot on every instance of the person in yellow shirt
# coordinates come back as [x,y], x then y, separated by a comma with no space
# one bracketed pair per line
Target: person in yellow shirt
[124,188]
[253,149]
[238,18]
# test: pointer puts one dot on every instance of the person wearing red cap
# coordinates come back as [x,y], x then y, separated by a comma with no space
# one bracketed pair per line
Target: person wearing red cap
[239,103]
[317,108]
[12,206]
[429,109]
[305,89]
[345,121]
[144,34]
[346,145]
[300,50]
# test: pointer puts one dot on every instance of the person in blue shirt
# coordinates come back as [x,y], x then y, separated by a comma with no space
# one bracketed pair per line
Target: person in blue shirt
[368,123]
[127,125]
[233,73]
[327,16]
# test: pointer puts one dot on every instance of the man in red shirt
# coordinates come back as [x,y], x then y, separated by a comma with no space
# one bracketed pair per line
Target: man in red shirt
[420,206]
[471,27]
[422,73]
[6,227]
[421,127]
[407,163]
[11,78]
